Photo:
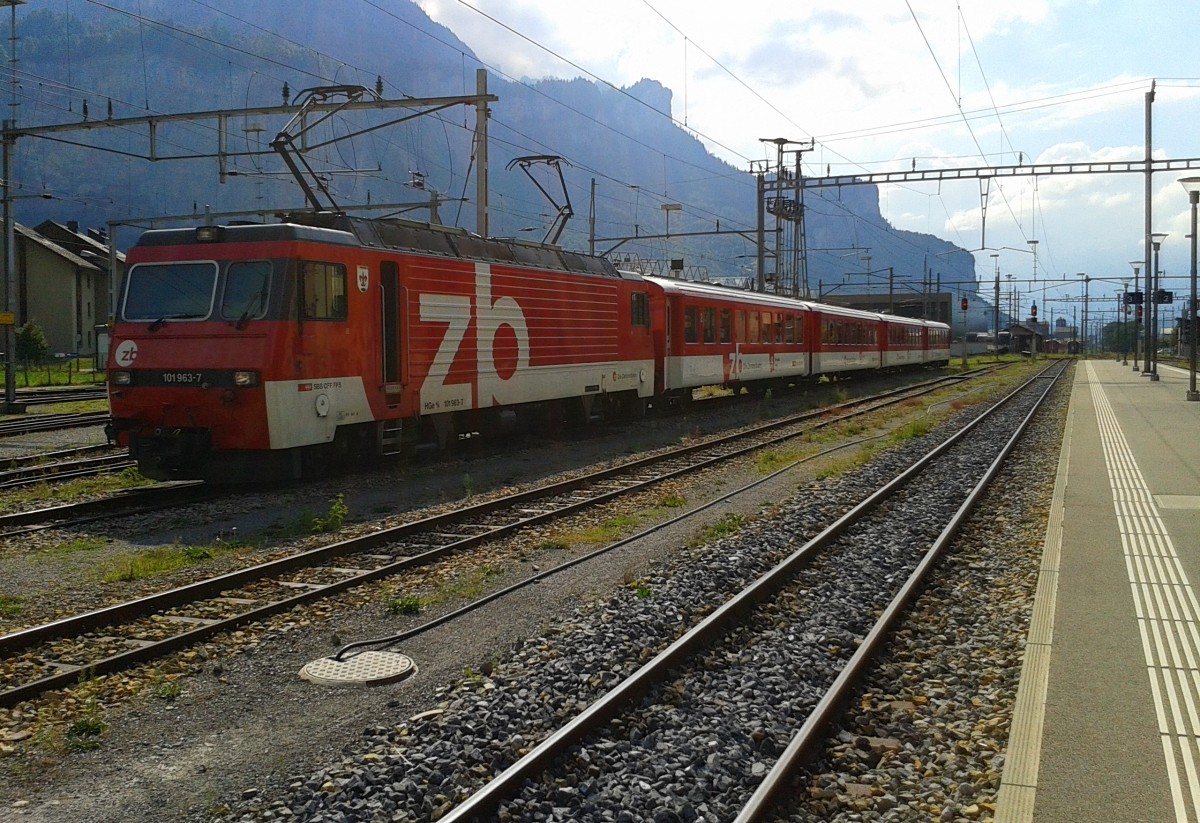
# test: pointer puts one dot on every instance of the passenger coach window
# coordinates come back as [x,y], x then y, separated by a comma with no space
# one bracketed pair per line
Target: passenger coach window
[710,325]
[640,310]
[323,289]
[691,319]
[726,325]
[247,286]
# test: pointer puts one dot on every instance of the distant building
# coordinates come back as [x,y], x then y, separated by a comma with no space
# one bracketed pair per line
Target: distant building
[63,284]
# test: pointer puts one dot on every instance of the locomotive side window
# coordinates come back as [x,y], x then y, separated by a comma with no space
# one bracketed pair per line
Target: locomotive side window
[323,291]
[169,291]
[691,321]
[726,325]
[710,325]
[247,287]
[640,310]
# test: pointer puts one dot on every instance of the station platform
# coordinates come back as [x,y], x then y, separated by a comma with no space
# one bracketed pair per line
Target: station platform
[1107,725]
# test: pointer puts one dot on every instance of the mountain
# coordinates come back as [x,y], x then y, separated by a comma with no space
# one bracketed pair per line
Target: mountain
[156,56]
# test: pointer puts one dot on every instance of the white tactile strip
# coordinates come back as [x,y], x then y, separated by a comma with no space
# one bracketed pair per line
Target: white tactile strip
[1167,611]
[369,668]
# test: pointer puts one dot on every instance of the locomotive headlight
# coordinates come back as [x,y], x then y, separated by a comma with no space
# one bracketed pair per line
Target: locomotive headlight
[119,378]
[245,378]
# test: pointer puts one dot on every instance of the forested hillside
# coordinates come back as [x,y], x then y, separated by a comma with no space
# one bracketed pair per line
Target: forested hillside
[78,59]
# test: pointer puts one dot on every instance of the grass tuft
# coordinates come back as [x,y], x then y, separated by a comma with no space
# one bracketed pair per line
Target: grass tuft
[407,604]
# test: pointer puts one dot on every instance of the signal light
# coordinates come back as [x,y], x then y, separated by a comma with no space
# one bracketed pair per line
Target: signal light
[1033,311]
[1139,312]
[964,304]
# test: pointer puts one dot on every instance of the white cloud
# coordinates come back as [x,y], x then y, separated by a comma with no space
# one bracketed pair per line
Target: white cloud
[1068,83]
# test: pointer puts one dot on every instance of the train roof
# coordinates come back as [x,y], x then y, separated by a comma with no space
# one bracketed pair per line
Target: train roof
[716,292]
[396,235]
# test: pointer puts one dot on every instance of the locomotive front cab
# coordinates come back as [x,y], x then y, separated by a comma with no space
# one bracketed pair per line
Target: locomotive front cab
[186,363]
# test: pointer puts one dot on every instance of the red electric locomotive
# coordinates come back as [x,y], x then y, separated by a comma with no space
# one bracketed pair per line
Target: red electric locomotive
[246,352]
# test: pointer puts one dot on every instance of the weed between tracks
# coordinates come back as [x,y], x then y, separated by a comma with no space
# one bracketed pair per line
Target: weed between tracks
[133,566]
[68,492]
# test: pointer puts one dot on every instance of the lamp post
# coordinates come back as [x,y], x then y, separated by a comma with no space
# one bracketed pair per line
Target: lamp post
[1192,186]
[996,310]
[1123,306]
[1137,320]
[1156,241]
[1087,281]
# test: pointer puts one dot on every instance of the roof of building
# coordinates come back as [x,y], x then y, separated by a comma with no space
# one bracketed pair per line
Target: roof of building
[93,246]
[48,244]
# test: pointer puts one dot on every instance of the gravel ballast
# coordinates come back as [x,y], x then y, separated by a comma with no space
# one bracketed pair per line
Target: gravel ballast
[160,755]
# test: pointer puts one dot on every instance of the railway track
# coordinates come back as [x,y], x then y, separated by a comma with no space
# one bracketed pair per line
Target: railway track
[137,500]
[62,466]
[726,715]
[51,422]
[51,656]
[45,397]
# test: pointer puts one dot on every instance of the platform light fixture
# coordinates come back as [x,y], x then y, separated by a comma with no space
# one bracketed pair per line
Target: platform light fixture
[1192,186]
[1087,282]
[1137,320]
[1156,241]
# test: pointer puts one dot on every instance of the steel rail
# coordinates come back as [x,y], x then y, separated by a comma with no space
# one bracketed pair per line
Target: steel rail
[762,803]
[484,803]
[64,470]
[44,397]
[15,642]
[52,422]
[433,523]
[173,493]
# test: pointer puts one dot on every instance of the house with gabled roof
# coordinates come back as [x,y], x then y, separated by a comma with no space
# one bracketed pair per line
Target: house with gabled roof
[62,291]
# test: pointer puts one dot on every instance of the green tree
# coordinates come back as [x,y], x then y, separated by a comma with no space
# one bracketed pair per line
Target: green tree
[31,343]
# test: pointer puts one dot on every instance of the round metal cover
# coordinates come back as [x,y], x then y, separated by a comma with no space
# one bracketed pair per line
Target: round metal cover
[365,669]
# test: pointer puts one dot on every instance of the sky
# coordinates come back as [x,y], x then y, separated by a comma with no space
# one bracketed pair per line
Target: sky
[885,85]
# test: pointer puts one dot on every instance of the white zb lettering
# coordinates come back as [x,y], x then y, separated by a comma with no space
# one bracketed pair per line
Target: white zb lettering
[490,316]
[456,311]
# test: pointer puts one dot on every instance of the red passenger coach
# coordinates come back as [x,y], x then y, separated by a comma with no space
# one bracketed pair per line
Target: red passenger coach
[903,341]
[274,349]
[718,336]
[937,344]
[847,340]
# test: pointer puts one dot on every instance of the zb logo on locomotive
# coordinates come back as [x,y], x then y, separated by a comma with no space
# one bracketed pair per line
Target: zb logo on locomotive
[457,311]
[125,353]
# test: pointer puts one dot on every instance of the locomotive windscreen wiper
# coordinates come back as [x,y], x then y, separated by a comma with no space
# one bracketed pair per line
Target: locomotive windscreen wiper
[253,306]
[158,324]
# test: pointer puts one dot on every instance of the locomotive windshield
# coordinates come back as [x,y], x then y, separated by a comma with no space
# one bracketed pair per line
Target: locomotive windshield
[247,286]
[169,291]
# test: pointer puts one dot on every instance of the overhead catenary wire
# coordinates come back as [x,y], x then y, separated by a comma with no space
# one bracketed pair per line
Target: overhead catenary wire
[181,32]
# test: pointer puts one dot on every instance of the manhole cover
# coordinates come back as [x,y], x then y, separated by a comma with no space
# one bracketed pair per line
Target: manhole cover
[365,669]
